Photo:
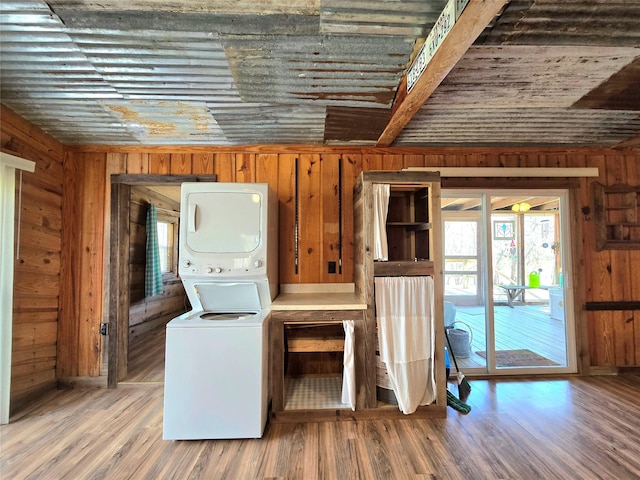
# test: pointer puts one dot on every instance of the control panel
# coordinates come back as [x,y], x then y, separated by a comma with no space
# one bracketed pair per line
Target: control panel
[220,267]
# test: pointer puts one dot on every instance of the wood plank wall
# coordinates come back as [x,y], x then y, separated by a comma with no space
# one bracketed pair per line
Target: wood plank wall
[607,338]
[37,267]
[148,313]
[68,237]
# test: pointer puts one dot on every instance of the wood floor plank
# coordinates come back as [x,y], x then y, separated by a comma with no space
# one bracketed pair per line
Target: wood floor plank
[578,427]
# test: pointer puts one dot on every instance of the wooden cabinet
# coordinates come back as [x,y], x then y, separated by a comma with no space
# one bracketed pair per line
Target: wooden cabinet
[415,245]
[308,318]
[617,216]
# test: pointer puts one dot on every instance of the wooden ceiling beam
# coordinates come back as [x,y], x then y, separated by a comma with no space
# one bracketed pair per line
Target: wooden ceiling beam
[473,20]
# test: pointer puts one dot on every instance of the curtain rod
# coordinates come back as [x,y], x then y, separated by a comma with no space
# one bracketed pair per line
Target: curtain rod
[167,210]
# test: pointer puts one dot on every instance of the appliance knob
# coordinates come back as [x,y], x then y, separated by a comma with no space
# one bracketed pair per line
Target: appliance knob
[257,263]
[187,263]
[218,270]
[209,270]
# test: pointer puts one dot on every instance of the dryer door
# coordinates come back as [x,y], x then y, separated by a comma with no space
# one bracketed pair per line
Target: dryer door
[223,222]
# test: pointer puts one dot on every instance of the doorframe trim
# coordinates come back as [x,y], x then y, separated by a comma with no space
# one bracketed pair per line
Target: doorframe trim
[119,283]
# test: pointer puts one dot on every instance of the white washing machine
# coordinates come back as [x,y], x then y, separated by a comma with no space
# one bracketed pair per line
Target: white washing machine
[216,361]
[216,376]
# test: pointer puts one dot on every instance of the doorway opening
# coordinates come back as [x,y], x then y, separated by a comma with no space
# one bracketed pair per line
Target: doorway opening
[506,259]
[120,286]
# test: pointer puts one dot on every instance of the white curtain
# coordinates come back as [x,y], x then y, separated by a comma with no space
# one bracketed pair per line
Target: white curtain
[404,308]
[381,208]
[349,374]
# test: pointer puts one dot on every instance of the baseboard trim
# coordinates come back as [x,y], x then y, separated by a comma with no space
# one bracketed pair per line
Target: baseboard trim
[614,370]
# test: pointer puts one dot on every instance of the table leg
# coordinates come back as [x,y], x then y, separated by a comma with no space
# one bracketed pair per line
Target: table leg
[510,297]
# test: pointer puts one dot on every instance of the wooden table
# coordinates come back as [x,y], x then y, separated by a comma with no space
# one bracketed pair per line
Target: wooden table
[515,291]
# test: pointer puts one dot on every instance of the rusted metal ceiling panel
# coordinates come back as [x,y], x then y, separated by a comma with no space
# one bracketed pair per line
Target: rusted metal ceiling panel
[519,126]
[620,92]
[528,76]
[355,125]
[412,18]
[260,7]
[73,123]
[271,124]
[349,71]
[191,22]
[167,122]
[568,22]
[314,71]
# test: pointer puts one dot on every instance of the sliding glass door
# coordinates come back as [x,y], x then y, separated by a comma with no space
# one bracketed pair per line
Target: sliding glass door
[505,279]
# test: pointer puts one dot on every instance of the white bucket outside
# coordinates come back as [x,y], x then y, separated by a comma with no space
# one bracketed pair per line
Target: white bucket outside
[460,340]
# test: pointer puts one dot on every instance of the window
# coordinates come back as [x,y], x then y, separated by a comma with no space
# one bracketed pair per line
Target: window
[168,244]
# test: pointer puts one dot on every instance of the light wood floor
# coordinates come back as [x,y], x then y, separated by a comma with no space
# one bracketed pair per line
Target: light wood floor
[575,428]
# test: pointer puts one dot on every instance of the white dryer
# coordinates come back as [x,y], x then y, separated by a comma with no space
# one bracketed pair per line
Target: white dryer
[216,362]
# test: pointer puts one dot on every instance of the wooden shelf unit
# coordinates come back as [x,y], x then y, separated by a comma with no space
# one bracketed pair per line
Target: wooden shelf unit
[314,337]
[617,216]
[414,249]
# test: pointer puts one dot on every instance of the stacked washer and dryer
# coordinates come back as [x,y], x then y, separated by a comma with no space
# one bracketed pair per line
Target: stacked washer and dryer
[216,363]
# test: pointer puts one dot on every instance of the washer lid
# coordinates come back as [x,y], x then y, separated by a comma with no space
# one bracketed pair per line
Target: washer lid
[228,297]
[226,316]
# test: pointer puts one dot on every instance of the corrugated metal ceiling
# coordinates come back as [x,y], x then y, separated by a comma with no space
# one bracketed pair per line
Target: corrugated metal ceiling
[310,72]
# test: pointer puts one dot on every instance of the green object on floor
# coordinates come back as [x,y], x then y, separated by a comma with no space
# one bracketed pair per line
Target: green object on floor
[457,404]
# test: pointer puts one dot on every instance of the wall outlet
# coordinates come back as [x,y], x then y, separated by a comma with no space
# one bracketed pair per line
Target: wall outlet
[332,267]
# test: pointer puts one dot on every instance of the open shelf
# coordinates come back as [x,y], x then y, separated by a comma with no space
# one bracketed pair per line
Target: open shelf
[617,216]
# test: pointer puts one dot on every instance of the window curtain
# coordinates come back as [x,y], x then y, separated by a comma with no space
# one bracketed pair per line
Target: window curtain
[381,208]
[153,272]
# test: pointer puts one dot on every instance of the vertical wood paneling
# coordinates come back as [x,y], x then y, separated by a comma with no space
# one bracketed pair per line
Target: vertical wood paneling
[413,161]
[267,169]
[92,275]
[633,177]
[117,163]
[310,219]
[67,364]
[612,274]
[180,164]
[431,160]
[392,162]
[83,257]
[330,217]
[245,168]
[286,218]
[351,168]
[636,337]
[614,339]
[372,162]
[202,164]
[137,163]
[224,167]
[159,163]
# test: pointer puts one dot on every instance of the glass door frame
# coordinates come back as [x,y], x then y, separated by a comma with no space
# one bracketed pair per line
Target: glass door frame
[475,217]
[566,234]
